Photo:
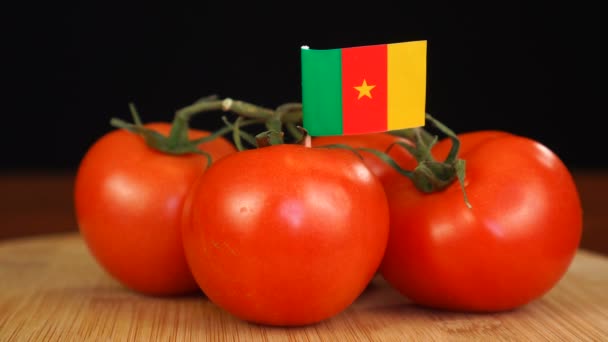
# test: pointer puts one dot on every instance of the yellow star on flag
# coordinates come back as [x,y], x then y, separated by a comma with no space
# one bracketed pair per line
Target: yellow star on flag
[365,90]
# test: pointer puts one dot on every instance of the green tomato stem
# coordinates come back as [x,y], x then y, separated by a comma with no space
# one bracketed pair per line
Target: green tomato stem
[428,176]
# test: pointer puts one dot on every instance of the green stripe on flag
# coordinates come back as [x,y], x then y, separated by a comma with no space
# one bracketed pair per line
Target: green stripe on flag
[322,91]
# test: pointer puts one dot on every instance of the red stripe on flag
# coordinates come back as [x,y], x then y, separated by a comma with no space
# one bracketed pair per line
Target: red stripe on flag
[364,67]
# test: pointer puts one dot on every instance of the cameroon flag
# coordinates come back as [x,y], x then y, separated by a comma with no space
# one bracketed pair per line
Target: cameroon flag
[364,89]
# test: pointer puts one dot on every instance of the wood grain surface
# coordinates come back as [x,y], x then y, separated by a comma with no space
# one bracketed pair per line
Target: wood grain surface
[52,290]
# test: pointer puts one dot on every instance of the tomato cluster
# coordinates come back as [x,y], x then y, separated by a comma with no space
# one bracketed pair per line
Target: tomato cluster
[291,235]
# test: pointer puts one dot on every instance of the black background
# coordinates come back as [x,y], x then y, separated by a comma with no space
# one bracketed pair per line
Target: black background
[69,68]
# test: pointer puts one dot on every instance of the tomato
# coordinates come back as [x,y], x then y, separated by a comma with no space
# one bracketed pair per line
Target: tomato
[286,235]
[128,202]
[379,142]
[510,248]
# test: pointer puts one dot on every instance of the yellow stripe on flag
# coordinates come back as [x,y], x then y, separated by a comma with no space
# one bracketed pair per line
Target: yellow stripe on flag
[406,71]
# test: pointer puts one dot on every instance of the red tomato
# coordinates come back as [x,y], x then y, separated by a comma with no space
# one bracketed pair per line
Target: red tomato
[128,201]
[286,235]
[376,141]
[511,247]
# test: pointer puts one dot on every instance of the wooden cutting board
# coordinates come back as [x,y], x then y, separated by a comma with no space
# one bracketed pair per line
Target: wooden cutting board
[52,290]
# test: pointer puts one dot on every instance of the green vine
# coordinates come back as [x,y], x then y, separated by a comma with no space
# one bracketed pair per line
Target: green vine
[429,175]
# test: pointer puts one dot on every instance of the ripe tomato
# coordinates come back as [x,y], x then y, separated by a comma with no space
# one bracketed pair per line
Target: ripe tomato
[376,141]
[128,201]
[511,247]
[286,234]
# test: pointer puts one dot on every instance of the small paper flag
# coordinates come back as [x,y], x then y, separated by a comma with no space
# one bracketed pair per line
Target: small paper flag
[364,89]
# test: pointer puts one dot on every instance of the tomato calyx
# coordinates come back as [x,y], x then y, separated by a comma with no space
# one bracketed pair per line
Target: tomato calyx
[431,175]
[177,142]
